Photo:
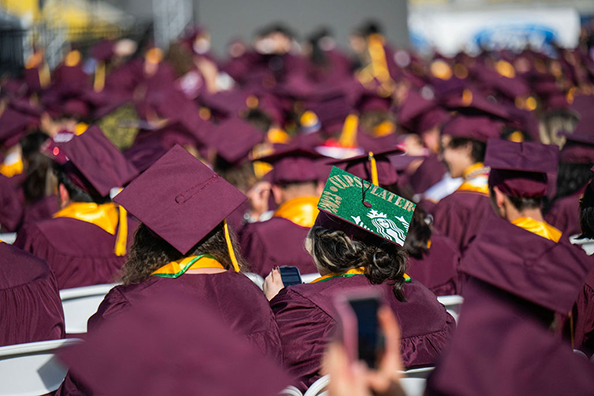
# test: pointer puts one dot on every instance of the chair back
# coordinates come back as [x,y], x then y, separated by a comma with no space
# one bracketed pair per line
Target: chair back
[80,304]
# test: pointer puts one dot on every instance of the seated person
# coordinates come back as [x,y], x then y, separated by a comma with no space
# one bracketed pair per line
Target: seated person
[30,305]
[352,248]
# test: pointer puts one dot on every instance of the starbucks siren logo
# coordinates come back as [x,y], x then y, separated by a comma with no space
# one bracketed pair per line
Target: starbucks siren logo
[385,227]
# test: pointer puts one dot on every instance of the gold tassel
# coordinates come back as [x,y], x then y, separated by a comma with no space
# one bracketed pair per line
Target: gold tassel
[348,136]
[44,76]
[99,83]
[120,247]
[571,329]
[374,178]
[230,247]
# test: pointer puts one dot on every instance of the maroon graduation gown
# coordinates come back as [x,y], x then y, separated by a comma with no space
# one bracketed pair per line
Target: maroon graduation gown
[79,253]
[42,209]
[427,174]
[564,214]
[12,203]
[238,300]
[438,268]
[460,216]
[497,350]
[30,305]
[306,320]
[583,317]
[276,242]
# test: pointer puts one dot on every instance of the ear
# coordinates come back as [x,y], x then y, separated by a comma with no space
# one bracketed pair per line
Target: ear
[499,197]
[277,192]
[64,196]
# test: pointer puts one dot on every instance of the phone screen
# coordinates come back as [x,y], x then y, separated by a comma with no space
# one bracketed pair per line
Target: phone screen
[290,276]
[368,334]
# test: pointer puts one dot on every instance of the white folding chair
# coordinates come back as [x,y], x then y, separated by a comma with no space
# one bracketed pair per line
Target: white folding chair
[8,237]
[307,278]
[257,279]
[453,304]
[290,391]
[580,354]
[413,386]
[32,369]
[318,388]
[423,372]
[80,304]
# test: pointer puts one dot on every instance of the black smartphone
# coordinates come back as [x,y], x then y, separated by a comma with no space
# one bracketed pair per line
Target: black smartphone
[362,335]
[290,275]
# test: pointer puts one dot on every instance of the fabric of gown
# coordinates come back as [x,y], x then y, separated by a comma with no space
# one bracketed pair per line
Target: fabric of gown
[30,305]
[307,319]
[79,253]
[427,174]
[525,255]
[498,350]
[12,203]
[583,317]
[460,216]
[275,242]
[238,301]
[42,209]
[564,214]
[438,268]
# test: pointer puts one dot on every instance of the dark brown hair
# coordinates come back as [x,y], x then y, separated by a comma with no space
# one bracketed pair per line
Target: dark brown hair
[335,251]
[150,252]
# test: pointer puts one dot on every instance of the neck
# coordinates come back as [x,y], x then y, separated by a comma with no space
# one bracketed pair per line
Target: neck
[512,214]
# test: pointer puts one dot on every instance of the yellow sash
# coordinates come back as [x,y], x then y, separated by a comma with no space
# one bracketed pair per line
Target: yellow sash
[105,216]
[301,211]
[175,269]
[539,228]
[348,274]
[10,170]
[476,179]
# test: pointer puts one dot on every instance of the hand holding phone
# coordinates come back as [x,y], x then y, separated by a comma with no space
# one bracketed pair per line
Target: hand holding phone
[290,275]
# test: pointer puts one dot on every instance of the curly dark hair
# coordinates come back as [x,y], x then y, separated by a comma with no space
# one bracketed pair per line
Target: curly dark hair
[587,214]
[419,234]
[335,251]
[150,252]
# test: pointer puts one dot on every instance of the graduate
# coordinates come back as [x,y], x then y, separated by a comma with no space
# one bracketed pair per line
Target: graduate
[432,258]
[30,305]
[281,240]
[582,332]
[184,246]
[520,274]
[86,240]
[575,160]
[356,241]
[460,215]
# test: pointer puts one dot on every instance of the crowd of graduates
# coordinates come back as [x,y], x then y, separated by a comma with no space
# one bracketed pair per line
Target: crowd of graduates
[174,172]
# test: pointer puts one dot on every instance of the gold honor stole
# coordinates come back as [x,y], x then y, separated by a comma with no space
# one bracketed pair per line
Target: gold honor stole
[301,211]
[105,216]
[13,169]
[177,268]
[348,274]
[539,228]
[476,179]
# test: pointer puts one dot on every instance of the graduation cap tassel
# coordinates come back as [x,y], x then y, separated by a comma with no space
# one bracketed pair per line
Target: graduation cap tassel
[374,177]
[348,136]
[120,247]
[99,77]
[230,247]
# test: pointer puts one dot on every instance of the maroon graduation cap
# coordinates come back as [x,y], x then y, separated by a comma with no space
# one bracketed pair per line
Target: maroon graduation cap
[363,166]
[479,128]
[293,165]
[94,163]
[180,199]
[520,169]
[234,139]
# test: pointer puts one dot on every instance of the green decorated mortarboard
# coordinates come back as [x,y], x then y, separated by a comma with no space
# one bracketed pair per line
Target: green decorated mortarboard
[359,208]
